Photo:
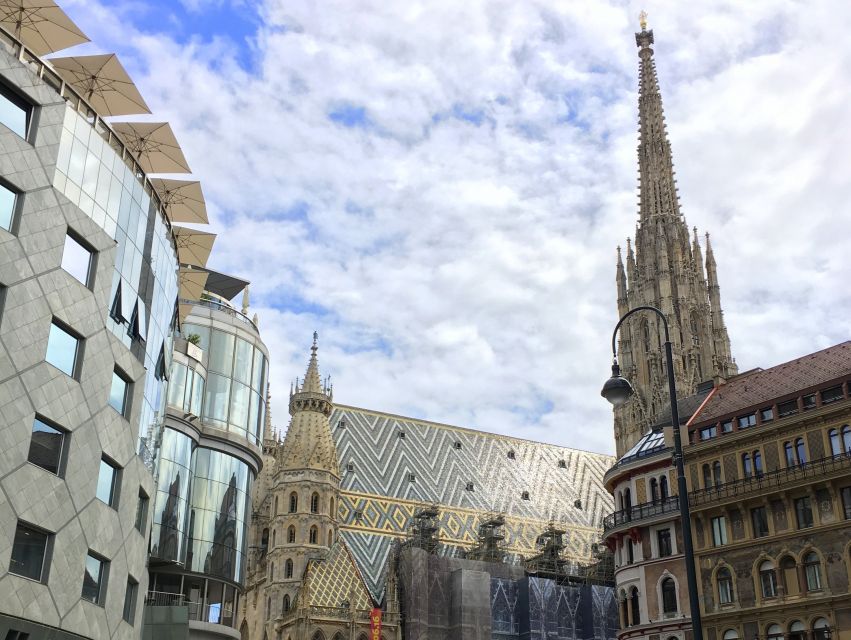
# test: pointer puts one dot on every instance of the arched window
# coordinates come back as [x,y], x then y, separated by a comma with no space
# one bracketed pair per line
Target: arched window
[835,445]
[645,336]
[800,451]
[627,499]
[789,573]
[716,473]
[747,465]
[757,463]
[846,438]
[725,585]
[635,610]
[821,629]
[624,610]
[264,540]
[812,571]
[731,634]
[286,605]
[797,631]
[293,502]
[630,554]
[768,579]
[274,537]
[790,454]
[288,568]
[314,533]
[331,509]
[774,632]
[707,476]
[271,571]
[330,537]
[314,503]
[291,534]
[669,598]
[663,487]
[654,490]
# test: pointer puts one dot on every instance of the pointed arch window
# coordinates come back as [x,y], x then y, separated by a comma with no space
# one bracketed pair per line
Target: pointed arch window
[800,451]
[286,604]
[314,534]
[293,502]
[654,490]
[725,585]
[330,537]
[835,445]
[264,541]
[768,579]
[716,473]
[757,463]
[314,503]
[634,607]
[331,511]
[669,598]
[291,534]
[747,465]
[274,537]
[663,488]
[288,568]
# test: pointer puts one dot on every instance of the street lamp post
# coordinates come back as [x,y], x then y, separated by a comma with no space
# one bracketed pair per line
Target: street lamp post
[617,390]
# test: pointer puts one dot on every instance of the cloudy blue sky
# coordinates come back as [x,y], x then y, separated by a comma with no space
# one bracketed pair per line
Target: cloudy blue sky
[438,188]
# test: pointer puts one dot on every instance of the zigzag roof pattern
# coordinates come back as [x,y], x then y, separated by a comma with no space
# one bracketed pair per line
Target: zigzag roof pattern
[386,472]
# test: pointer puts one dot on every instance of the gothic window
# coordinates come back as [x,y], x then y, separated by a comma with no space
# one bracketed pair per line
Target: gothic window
[286,605]
[663,488]
[291,534]
[627,499]
[271,571]
[768,579]
[293,502]
[274,537]
[747,465]
[716,473]
[790,454]
[314,534]
[331,511]
[654,490]
[276,505]
[330,537]
[669,598]
[707,476]
[789,574]
[635,610]
[846,438]
[812,571]
[264,540]
[800,451]
[645,336]
[725,585]
[288,569]
[630,553]
[314,503]
[757,463]
[835,446]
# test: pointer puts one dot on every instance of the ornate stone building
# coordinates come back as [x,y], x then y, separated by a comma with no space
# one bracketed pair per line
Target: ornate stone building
[666,270]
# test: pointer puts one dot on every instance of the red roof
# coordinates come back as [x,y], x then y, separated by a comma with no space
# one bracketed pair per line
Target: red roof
[762,386]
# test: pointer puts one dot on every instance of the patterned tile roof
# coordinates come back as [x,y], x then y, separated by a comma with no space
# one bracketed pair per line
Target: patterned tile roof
[335,579]
[762,386]
[386,476]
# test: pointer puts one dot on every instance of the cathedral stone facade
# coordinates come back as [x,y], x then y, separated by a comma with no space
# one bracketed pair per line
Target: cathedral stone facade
[665,270]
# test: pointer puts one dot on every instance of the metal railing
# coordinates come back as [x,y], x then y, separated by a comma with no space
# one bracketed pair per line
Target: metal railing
[146,455]
[164,599]
[220,306]
[641,512]
[338,613]
[214,613]
[780,478]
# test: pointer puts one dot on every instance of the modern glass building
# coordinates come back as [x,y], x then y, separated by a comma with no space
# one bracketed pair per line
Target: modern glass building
[208,456]
[89,284]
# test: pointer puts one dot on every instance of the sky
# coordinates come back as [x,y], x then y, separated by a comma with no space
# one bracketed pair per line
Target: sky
[439,188]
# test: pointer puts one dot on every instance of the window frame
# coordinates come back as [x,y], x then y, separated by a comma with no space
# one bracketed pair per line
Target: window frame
[102,581]
[78,351]
[771,574]
[72,235]
[63,446]
[811,566]
[131,596]
[762,513]
[804,512]
[47,550]
[24,104]
[725,586]
[127,395]
[116,482]
[664,544]
[17,204]
[719,531]
[788,408]
[142,507]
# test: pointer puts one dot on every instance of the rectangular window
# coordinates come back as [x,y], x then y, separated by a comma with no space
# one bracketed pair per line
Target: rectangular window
[787,408]
[708,433]
[14,112]
[664,538]
[719,531]
[107,483]
[809,401]
[118,392]
[29,551]
[94,579]
[46,446]
[747,421]
[803,512]
[727,426]
[77,260]
[846,502]
[759,520]
[142,510]
[8,201]
[130,600]
[831,395]
[767,414]
[62,349]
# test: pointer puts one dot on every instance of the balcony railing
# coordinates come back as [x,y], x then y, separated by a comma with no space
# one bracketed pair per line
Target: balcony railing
[780,478]
[339,613]
[220,306]
[640,512]
[212,612]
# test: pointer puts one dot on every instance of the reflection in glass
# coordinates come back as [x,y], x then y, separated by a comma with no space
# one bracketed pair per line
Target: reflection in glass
[221,352]
[118,393]
[106,483]
[170,508]
[46,446]
[7,207]
[77,260]
[92,579]
[28,552]
[242,361]
[216,402]
[177,385]
[217,533]
[61,349]
[13,113]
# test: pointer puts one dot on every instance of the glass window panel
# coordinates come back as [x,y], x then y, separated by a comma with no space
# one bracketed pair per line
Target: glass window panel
[254,413]
[257,374]
[239,405]
[221,352]
[61,349]
[46,446]
[177,384]
[92,578]
[203,334]
[118,393]
[197,393]
[106,482]
[28,551]
[7,207]
[217,397]
[77,260]
[130,600]
[13,113]
[242,361]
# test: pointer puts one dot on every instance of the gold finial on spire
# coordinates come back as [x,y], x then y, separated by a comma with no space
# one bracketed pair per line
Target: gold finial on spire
[642,20]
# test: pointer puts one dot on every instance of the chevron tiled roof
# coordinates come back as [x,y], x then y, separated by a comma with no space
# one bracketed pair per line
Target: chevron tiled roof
[387,475]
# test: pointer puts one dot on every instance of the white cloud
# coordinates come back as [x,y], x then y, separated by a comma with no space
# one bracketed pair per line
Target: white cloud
[455,250]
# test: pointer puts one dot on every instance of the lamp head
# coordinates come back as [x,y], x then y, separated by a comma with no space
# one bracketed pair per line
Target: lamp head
[617,389]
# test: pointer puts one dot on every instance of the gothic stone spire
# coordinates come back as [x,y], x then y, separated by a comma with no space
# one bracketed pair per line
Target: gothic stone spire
[666,272]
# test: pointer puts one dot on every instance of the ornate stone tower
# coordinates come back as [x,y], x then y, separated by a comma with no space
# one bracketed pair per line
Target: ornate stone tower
[665,271]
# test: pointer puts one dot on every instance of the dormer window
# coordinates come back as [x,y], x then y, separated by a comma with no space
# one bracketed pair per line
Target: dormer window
[577,503]
[350,466]
[457,444]
[562,464]
[524,495]
[341,424]
[402,435]
[469,486]
[511,454]
[412,477]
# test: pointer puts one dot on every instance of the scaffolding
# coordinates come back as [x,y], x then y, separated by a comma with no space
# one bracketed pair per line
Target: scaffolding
[424,528]
[549,561]
[491,536]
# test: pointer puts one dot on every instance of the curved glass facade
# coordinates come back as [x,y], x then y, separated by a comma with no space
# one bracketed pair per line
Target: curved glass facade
[185,388]
[91,172]
[236,382]
[170,504]
[219,514]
